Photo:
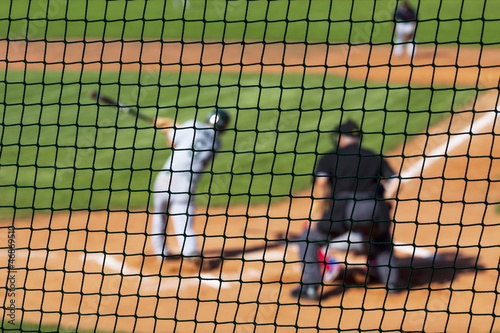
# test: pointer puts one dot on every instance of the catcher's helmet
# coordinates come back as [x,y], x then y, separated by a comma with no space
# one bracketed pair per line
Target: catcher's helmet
[219,118]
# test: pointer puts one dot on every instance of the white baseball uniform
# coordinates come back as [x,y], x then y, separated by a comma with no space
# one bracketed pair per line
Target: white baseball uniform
[193,147]
[405,18]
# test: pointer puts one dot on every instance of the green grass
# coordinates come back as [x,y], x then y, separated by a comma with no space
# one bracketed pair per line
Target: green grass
[446,21]
[60,151]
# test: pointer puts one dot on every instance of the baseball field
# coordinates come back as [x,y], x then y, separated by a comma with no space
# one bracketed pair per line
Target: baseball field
[76,177]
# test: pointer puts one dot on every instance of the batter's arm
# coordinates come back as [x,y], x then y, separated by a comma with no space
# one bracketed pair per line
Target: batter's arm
[165,124]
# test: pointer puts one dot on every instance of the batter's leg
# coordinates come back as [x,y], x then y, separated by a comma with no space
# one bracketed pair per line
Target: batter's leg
[161,198]
[159,227]
[181,213]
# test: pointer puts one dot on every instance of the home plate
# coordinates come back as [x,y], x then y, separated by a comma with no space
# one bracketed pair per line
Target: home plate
[269,255]
[418,252]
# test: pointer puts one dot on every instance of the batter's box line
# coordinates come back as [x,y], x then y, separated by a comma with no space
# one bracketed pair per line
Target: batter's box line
[109,262]
[150,284]
[447,147]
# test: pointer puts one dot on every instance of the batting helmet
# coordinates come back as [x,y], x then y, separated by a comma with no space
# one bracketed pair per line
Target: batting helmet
[219,118]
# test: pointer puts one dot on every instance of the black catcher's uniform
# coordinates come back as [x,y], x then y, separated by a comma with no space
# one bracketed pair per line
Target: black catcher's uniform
[357,196]
[356,204]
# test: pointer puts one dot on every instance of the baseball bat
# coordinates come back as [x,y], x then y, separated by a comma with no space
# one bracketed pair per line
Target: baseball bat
[106,100]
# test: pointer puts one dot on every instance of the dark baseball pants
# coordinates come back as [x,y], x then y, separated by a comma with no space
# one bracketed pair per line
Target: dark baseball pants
[368,216]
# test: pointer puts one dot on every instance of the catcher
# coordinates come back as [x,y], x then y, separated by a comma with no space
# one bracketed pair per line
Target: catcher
[347,198]
[194,144]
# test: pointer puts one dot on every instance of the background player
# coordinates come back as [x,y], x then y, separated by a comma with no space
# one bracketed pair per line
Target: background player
[405,22]
[194,144]
[347,192]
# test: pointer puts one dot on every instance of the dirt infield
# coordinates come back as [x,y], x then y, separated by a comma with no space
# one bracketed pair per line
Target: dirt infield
[452,217]
[435,65]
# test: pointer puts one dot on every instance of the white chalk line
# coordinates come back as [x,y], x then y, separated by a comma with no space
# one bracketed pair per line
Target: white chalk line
[115,264]
[109,262]
[223,281]
[448,146]
[150,283]
[226,281]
